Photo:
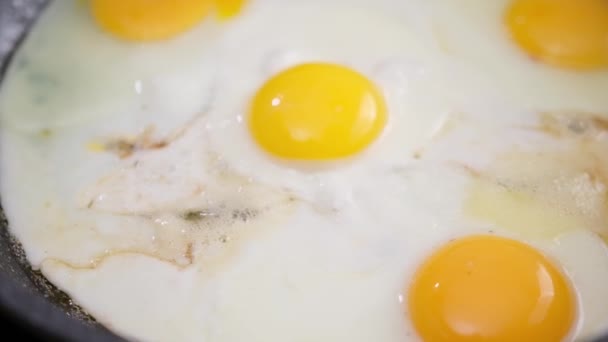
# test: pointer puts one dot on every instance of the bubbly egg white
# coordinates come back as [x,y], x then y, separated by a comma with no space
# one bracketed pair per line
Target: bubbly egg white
[151,206]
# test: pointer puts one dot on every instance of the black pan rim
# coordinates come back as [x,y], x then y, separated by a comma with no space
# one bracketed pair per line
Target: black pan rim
[31,311]
[36,314]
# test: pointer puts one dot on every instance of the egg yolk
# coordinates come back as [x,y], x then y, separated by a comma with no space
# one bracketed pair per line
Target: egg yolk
[317,111]
[229,8]
[570,34]
[487,288]
[147,20]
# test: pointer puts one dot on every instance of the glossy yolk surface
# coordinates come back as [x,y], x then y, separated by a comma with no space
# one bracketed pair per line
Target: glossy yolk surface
[317,111]
[229,8]
[570,34]
[487,288]
[151,20]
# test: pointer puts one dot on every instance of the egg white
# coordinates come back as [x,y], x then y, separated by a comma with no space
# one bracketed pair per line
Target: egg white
[420,87]
[474,32]
[64,75]
[329,250]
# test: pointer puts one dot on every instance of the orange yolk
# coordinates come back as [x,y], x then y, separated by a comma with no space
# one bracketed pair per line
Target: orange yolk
[317,111]
[152,20]
[570,34]
[487,288]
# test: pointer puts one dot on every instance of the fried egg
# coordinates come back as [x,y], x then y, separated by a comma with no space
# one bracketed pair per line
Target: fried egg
[388,64]
[545,55]
[271,170]
[52,85]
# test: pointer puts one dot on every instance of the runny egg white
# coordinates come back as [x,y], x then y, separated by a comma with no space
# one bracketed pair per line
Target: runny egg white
[174,195]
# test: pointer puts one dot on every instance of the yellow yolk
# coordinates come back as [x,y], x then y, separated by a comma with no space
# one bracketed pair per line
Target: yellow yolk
[571,34]
[487,288]
[229,8]
[317,111]
[145,20]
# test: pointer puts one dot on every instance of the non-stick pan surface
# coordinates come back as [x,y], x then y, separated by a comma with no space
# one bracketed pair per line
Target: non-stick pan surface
[27,299]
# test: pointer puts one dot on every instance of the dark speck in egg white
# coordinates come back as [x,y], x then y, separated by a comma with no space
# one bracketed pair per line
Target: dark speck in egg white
[46,133]
[123,148]
[577,126]
[199,215]
[244,214]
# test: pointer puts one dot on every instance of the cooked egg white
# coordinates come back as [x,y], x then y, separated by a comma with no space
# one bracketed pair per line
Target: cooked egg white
[150,202]
[478,33]
[421,90]
[62,82]
[548,188]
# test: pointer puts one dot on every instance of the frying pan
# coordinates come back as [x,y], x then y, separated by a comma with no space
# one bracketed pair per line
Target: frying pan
[27,299]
